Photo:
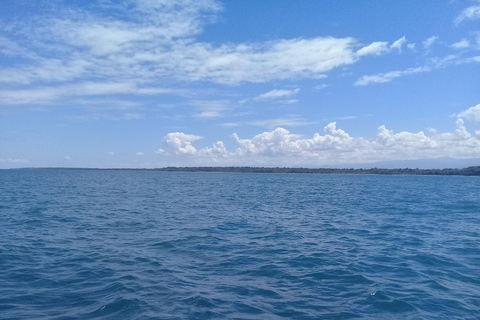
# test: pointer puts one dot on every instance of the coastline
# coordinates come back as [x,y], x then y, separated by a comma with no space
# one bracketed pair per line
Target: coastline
[468,171]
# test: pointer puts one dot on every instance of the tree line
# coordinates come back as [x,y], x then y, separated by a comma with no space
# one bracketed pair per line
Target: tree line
[470,171]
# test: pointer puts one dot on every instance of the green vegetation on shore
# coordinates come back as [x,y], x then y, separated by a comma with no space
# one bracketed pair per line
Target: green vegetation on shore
[470,171]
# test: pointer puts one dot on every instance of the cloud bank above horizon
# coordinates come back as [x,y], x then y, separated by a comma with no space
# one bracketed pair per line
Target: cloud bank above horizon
[281,147]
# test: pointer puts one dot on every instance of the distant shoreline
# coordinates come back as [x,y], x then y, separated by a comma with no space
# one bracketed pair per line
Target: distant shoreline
[469,171]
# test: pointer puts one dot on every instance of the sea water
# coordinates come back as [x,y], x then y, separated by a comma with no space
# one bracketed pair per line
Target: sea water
[117,244]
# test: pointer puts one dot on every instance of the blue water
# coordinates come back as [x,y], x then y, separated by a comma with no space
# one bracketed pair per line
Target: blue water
[97,244]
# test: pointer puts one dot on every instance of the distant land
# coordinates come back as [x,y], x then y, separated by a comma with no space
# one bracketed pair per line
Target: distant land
[469,171]
[428,163]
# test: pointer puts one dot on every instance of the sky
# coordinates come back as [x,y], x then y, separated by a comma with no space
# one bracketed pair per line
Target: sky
[155,83]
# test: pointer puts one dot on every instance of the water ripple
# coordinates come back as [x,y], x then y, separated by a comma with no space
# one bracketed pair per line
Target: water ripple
[100,244]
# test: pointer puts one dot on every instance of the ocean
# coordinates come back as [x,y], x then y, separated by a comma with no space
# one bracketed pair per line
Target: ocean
[124,244]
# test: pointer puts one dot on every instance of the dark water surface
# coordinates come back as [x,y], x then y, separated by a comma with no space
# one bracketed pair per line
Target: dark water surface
[97,244]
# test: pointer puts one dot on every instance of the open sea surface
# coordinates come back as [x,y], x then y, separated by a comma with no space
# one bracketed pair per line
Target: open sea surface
[112,244]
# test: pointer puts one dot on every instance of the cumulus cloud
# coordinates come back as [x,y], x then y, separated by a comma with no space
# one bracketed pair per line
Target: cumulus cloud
[389,76]
[472,113]
[470,13]
[274,94]
[180,143]
[280,146]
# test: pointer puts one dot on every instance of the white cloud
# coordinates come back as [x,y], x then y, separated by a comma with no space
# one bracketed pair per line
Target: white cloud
[67,158]
[320,86]
[346,118]
[464,43]
[132,116]
[139,153]
[147,58]
[180,143]
[210,108]
[411,46]
[110,153]
[288,101]
[472,113]
[375,48]
[379,47]
[429,42]
[389,76]
[289,121]
[281,147]
[398,44]
[147,43]
[115,116]
[10,160]
[261,62]
[154,41]
[230,124]
[470,13]
[274,94]
[292,121]
[54,94]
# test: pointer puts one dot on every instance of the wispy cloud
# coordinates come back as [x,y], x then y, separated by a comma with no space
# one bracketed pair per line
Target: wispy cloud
[470,13]
[376,48]
[433,63]
[320,86]
[346,118]
[150,47]
[11,160]
[276,93]
[292,121]
[54,94]
[288,121]
[462,44]
[111,116]
[381,47]
[389,76]
[427,43]
[210,108]
[398,44]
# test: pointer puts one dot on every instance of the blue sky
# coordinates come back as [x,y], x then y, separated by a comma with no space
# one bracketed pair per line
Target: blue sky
[259,83]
